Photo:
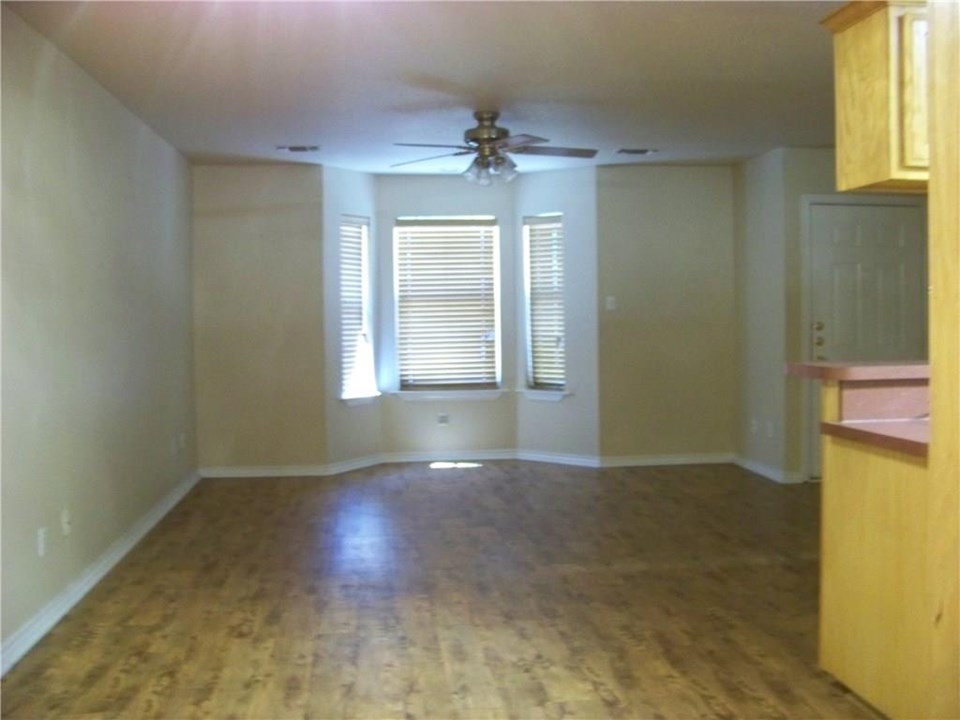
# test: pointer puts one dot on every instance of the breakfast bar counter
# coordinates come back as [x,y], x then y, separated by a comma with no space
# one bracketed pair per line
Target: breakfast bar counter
[882,404]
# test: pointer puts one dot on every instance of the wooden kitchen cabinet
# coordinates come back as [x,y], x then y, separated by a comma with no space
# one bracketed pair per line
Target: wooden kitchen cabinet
[880,76]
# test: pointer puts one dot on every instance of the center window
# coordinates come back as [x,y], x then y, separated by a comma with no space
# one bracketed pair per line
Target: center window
[447,297]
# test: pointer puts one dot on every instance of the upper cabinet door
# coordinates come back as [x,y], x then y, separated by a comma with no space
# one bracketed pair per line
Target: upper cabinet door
[880,75]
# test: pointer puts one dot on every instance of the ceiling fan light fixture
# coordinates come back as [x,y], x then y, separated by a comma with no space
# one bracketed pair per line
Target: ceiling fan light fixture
[479,171]
[484,177]
[484,169]
[506,167]
[472,173]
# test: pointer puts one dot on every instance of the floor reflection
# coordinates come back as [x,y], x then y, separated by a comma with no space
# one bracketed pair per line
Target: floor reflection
[362,538]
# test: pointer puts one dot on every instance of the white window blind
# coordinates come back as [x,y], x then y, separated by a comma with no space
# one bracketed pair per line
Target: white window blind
[543,263]
[447,303]
[356,345]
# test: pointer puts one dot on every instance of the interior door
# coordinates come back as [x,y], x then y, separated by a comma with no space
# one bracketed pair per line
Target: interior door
[868,290]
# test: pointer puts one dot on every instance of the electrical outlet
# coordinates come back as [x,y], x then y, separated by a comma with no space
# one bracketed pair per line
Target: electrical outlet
[66,526]
[754,426]
[443,418]
[41,541]
[610,303]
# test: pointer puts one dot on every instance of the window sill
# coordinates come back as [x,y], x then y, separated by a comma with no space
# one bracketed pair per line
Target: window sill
[546,395]
[358,401]
[447,395]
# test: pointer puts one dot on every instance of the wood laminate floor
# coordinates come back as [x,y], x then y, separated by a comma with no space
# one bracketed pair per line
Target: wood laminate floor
[515,590]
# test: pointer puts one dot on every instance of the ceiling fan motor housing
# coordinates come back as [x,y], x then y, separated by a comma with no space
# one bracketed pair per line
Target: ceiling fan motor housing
[485,133]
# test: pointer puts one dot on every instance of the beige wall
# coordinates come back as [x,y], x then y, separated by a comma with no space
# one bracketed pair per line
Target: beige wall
[410,426]
[97,362]
[761,273]
[667,352]
[570,427]
[258,313]
[770,271]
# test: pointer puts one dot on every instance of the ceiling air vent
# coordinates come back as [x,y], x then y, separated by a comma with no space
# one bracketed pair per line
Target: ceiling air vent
[299,148]
[637,151]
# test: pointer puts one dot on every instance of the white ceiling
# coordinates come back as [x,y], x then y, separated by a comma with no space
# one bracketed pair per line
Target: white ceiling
[228,81]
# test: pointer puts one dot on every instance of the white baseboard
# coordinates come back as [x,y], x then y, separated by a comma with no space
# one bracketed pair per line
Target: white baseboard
[287,471]
[587,461]
[284,471]
[348,465]
[26,636]
[778,475]
[439,455]
[651,460]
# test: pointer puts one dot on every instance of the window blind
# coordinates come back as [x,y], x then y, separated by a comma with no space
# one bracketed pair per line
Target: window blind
[543,256]
[447,295]
[356,346]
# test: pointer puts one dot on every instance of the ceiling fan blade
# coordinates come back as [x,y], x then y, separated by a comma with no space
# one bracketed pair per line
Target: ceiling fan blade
[513,141]
[457,147]
[434,157]
[555,151]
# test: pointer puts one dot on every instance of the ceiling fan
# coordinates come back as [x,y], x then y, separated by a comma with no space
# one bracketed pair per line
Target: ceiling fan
[491,145]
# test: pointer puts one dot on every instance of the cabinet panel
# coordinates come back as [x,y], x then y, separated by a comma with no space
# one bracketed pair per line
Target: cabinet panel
[874,635]
[913,93]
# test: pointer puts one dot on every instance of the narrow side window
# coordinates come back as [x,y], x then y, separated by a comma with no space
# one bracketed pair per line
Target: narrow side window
[358,378]
[544,284]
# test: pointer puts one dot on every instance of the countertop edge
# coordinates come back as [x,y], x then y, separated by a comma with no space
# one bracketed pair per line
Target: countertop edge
[884,434]
[854,371]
